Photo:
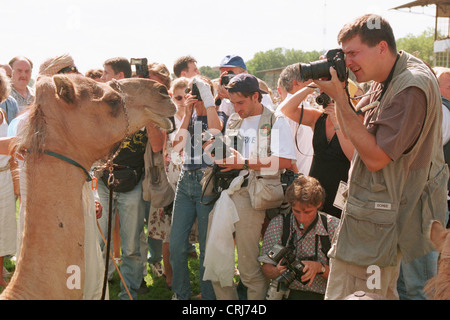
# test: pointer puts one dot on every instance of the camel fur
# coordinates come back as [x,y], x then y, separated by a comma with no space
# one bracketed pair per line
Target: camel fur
[83,120]
[438,287]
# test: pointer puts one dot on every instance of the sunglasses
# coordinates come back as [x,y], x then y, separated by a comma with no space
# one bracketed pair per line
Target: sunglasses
[68,69]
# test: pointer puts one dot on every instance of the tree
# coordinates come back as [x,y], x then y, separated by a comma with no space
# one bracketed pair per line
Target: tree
[209,72]
[421,45]
[279,58]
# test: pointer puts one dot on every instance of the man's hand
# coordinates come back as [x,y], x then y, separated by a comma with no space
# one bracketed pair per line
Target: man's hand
[98,209]
[334,87]
[311,269]
[222,92]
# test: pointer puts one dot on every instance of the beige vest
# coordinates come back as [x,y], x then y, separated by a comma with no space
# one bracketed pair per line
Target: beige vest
[265,125]
[391,210]
[263,135]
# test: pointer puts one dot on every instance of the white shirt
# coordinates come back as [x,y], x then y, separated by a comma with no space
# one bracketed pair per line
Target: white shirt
[281,141]
[445,125]
[304,150]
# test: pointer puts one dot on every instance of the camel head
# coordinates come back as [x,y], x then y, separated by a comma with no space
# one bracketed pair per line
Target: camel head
[72,112]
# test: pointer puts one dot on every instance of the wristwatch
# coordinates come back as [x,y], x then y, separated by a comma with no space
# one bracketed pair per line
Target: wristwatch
[322,271]
[245,166]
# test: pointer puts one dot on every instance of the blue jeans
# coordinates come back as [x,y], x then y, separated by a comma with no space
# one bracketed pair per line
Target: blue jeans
[414,275]
[130,206]
[187,207]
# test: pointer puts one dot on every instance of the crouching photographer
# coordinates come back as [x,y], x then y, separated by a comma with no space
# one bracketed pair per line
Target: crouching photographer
[295,246]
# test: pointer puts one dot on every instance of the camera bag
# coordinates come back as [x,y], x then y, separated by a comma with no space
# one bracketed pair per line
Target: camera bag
[156,187]
[214,182]
[125,178]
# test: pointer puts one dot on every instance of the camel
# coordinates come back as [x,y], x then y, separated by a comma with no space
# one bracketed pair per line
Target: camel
[83,120]
[438,287]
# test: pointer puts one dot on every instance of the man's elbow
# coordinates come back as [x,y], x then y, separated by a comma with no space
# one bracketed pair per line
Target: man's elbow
[374,166]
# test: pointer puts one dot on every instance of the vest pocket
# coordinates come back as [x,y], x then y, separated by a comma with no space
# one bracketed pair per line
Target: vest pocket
[433,198]
[368,236]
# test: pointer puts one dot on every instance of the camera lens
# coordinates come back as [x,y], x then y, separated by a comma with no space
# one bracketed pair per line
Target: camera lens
[323,99]
[315,70]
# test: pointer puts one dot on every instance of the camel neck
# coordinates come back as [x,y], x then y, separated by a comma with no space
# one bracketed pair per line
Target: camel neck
[54,230]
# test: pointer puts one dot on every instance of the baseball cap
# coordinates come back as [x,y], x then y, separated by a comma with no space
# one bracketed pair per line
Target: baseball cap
[244,82]
[233,61]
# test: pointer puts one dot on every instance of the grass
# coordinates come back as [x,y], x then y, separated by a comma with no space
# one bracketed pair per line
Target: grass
[157,285]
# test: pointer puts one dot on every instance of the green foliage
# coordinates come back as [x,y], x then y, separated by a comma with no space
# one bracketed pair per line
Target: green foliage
[209,72]
[421,45]
[279,58]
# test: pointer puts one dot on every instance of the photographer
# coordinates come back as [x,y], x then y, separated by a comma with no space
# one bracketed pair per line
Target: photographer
[263,145]
[200,116]
[289,83]
[332,150]
[306,231]
[229,66]
[397,183]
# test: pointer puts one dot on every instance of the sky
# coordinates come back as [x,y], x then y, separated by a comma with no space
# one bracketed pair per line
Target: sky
[161,31]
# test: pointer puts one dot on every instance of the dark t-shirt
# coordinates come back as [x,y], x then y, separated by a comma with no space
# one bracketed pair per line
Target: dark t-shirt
[132,152]
[399,124]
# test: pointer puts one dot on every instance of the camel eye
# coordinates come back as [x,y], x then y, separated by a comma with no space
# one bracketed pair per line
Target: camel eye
[115,102]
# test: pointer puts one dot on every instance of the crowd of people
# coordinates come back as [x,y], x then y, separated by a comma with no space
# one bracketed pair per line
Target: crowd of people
[367,167]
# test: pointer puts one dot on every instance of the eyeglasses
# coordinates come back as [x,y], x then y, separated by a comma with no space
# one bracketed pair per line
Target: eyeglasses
[68,69]
[179,98]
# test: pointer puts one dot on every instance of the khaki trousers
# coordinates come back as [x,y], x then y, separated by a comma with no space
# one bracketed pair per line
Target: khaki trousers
[345,279]
[248,235]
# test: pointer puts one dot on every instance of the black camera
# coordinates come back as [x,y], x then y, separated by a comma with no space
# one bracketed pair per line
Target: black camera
[140,66]
[220,149]
[287,257]
[323,99]
[226,78]
[279,287]
[194,91]
[321,68]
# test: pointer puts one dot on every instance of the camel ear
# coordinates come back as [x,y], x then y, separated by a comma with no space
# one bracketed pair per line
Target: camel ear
[64,88]
[437,235]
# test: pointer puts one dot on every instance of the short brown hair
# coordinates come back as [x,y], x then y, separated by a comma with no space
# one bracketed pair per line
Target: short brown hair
[120,64]
[307,190]
[246,94]
[372,29]
[182,64]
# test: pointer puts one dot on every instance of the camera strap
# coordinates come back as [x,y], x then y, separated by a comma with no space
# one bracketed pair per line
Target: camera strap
[389,79]
[324,240]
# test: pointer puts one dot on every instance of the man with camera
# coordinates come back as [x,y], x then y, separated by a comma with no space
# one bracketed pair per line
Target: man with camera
[397,181]
[127,199]
[289,83]
[294,250]
[230,66]
[261,145]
